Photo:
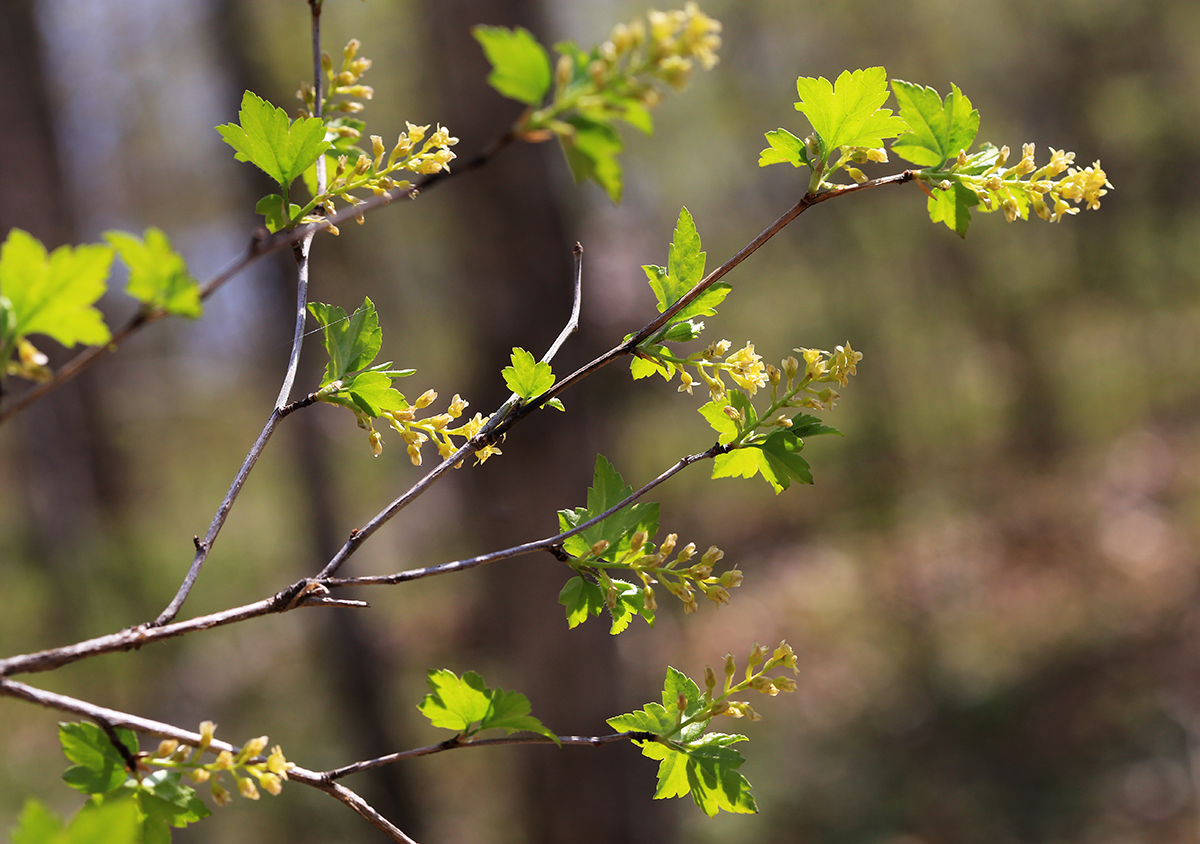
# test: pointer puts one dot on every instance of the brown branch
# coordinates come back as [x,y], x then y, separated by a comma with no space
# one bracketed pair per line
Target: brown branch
[113,718]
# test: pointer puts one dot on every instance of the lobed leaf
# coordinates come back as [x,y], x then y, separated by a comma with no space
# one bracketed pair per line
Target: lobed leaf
[591,150]
[785,148]
[520,65]
[99,767]
[264,137]
[938,130]
[848,113]
[526,377]
[158,276]
[351,342]
[953,207]
[456,703]
[52,294]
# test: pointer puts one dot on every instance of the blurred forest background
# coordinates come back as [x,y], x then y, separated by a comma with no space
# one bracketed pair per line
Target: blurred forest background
[992,587]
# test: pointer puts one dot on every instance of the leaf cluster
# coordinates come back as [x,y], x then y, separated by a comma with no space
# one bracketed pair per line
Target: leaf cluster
[55,294]
[467,706]
[617,80]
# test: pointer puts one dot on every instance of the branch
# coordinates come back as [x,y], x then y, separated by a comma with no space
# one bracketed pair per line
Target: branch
[627,347]
[110,718]
[457,742]
[518,550]
[261,245]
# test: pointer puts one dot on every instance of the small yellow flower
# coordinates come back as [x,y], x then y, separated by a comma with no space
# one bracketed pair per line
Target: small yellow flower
[746,369]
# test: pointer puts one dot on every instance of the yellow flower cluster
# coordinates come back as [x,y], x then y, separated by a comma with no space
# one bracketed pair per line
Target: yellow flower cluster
[416,432]
[242,766]
[1008,189]
[681,577]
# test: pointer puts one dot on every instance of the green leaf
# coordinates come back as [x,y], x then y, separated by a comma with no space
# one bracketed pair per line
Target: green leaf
[53,294]
[264,137]
[351,342]
[271,207]
[372,392]
[631,602]
[99,767]
[36,825]
[654,718]
[582,598]
[806,425]
[848,112]
[158,275]
[114,822]
[608,489]
[642,367]
[784,463]
[714,412]
[510,712]
[739,463]
[953,207]
[527,377]
[520,66]
[591,151]
[455,703]
[785,148]
[937,131]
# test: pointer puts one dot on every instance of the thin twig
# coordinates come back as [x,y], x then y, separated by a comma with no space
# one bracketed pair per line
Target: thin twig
[628,347]
[261,245]
[456,742]
[526,548]
[113,718]
[360,535]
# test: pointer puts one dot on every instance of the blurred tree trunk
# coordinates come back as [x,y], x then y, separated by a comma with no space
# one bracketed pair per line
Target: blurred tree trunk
[515,250]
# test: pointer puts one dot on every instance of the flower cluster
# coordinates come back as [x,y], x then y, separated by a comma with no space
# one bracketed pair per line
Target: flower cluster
[244,767]
[416,432]
[758,665]
[1024,185]
[664,47]
[746,369]
[344,82]
[682,577]
[414,151]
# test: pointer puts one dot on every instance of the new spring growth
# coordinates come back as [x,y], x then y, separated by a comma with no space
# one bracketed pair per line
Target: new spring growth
[417,431]
[663,48]
[1024,185]
[246,767]
[756,679]
[680,576]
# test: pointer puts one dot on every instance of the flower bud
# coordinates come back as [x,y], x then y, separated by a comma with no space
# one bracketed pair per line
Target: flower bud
[326,62]
[271,784]
[757,654]
[165,748]
[599,548]
[219,795]
[425,399]
[710,679]
[247,788]
[351,49]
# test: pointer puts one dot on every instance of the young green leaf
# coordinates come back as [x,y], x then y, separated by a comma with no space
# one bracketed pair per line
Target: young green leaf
[52,294]
[785,148]
[351,342]
[591,151]
[520,65]
[719,421]
[99,767]
[526,377]
[937,131]
[509,711]
[271,207]
[456,703]
[264,137]
[745,462]
[582,598]
[706,770]
[953,207]
[784,464]
[114,822]
[608,489]
[848,113]
[158,275]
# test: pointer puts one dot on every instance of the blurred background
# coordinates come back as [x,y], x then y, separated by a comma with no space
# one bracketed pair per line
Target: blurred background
[992,588]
